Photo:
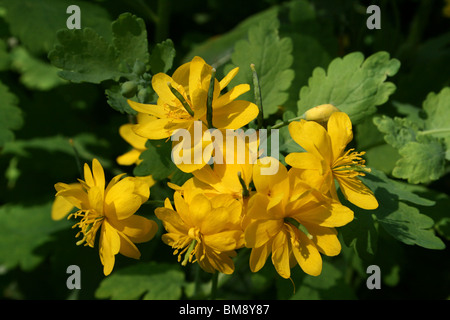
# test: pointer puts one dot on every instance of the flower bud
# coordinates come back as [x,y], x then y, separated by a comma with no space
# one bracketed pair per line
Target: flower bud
[320,113]
[139,68]
[128,89]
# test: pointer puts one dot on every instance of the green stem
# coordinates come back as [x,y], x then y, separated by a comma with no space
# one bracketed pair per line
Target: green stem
[180,97]
[245,192]
[146,10]
[209,102]
[162,27]
[285,123]
[77,158]
[215,278]
[426,132]
[258,98]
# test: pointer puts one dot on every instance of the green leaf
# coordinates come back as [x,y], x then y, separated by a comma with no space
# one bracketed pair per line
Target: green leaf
[437,123]
[35,22]
[35,73]
[117,101]
[398,131]
[272,57]
[409,226]
[130,40]
[404,222]
[352,84]
[10,115]
[149,281]
[329,285]
[161,58]
[85,56]
[156,160]
[24,229]
[423,144]
[422,161]
[361,234]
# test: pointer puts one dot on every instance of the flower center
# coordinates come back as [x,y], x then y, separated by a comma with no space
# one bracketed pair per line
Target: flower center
[89,224]
[350,164]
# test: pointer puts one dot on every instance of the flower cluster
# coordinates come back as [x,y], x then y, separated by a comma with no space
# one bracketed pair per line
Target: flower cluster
[290,215]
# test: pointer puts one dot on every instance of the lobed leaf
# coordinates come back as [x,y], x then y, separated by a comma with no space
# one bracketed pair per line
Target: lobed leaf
[149,281]
[272,57]
[352,84]
[11,117]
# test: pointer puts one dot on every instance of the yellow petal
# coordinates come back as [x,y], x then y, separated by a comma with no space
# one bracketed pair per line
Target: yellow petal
[109,247]
[151,109]
[138,229]
[224,241]
[312,137]
[165,95]
[227,79]
[325,239]
[127,133]
[275,184]
[181,74]
[61,208]
[357,193]
[88,178]
[259,255]
[98,174]
[235,115]
[159,129]
[340,131]
[120,200]
[197,72]
[306,254]
[76,196]
[326,214]
[129,158]
[128,248]
[95,195]
[172,221]
[230,96]
[259,232]
[304,160]
[199,208]
[280,255]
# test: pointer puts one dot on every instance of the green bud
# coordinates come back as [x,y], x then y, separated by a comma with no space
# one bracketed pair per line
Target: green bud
[143,95]
[128,89]
[139,68]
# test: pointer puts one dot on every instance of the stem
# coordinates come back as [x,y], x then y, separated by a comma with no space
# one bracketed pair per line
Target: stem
[215,278]
[77,157]
[245,192]
[147,11]
[162,27]
[258,98]
[426,132]
[180,97]
[209,110]
[285,123]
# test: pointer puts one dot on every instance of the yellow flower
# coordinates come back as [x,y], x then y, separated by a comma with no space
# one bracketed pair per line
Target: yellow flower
[109,209]
[208,229]
[137,142]
[293,222]
[192,80]
[327,156]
